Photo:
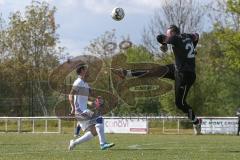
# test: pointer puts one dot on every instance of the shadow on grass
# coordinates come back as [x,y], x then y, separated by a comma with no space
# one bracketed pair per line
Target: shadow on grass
[234,151]
[122,149]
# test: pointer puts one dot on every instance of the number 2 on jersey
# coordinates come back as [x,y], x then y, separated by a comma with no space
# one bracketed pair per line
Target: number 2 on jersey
[189,46]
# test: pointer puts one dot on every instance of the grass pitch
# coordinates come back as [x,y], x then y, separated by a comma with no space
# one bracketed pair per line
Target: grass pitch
[128,147]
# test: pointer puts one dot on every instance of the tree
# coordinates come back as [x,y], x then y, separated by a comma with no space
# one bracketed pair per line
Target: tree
[219,63]
[226,18]
[215,91]
[225,13]
[186,14]
[31,51]
[2,39]
[139,95]
[98,46]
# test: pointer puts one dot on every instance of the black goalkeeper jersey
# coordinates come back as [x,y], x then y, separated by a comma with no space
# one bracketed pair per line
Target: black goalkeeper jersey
[183,46]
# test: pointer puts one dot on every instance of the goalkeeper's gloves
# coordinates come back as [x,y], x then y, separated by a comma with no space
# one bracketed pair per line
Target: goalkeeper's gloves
[161,38]
[164,48]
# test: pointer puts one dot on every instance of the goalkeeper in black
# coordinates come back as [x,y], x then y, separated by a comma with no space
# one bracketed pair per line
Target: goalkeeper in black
[183,71]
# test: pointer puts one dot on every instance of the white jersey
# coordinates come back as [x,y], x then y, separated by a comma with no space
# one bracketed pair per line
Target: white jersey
[81,98]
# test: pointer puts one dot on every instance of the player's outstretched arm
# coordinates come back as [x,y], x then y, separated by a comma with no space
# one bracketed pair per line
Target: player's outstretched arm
[162,40]
[195,38]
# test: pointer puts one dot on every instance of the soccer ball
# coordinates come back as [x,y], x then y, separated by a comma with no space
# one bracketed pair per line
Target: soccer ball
[118,13]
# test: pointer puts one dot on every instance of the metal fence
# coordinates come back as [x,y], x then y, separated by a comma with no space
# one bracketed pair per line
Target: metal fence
[157,125]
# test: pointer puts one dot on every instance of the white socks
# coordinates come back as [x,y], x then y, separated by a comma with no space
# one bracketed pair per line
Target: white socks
[86,137]
[129,73]
[100,132]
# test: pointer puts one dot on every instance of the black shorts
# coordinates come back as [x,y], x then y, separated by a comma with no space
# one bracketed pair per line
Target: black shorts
[181,77]
[184,78]
[183,82]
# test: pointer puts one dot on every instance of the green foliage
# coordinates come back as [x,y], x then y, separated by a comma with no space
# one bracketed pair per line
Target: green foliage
[150,106]
[216,90]
[229,39]
[139,54]
[29,50]
[219,61]
[100,45]
[233,6]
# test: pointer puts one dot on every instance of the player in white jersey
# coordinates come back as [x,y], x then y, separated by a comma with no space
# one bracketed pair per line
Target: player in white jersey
[91,123]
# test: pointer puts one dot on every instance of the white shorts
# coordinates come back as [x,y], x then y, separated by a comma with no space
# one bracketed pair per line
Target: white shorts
[86,120]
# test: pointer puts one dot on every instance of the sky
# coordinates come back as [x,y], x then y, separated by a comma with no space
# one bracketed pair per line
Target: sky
[81,21]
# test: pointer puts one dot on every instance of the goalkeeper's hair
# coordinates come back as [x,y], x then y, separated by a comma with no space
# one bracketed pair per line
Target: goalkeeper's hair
[174,28]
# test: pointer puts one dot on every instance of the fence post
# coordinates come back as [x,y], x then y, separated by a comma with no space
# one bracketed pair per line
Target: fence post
[74,126]
[178,125]
[59,125]
[6,125]
[19,125]
[46,125]
[33,125]
[163,127]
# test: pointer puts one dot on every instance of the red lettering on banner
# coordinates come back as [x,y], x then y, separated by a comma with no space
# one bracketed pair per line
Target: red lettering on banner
[138,130]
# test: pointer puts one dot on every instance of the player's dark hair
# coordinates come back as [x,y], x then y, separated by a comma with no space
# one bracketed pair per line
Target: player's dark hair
[174,28]
[80,68]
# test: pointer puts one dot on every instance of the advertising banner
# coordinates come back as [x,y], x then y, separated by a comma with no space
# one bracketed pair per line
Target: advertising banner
[219,126]
[126,125]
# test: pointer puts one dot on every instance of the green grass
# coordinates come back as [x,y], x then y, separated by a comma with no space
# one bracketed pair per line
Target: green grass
[128,147]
